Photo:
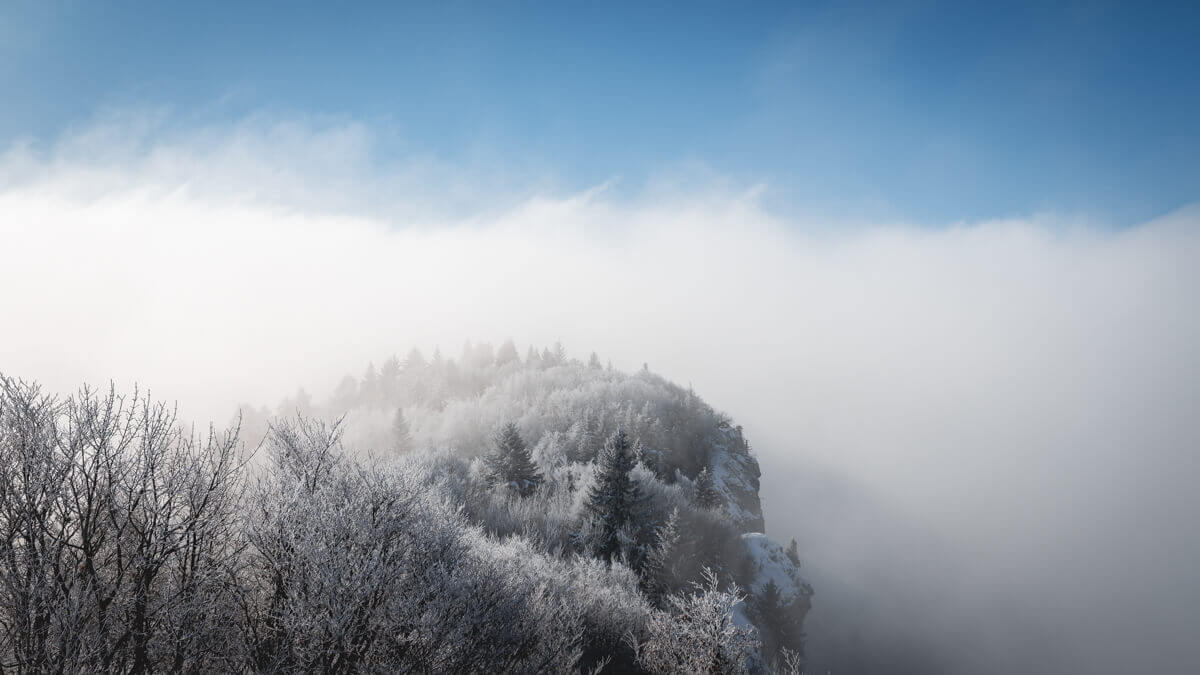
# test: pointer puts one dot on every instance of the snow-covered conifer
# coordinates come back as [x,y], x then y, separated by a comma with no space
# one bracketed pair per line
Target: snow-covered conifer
[658,574]
[770,614]
[511,462]
[401,438]
[614,499]
[507,353]
[793,552]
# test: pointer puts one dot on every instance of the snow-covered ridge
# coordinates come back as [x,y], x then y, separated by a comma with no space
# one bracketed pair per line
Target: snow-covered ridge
[567,411]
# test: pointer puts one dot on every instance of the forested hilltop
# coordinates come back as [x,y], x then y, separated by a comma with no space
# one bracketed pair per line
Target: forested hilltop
[490,513]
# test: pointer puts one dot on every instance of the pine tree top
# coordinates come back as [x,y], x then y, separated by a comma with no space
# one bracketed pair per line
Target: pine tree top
[512,464]
[770,593]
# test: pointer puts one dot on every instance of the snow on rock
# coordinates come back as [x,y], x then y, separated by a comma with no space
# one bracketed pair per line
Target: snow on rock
[769,562]
[735,475]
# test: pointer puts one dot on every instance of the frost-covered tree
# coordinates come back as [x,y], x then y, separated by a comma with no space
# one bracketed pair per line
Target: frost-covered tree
[118,536]
[793,552]
[358,568]
[789,662]
[594,362]
[771,615]
[415,361]
[389,379]
[369,389]
[614,501]
[126,545]
[697,634]
[507,353]
[779,620]
[345,396]
[588,438]
[650,458]
[707,496]
[660,572]
[401,437]
[512,464]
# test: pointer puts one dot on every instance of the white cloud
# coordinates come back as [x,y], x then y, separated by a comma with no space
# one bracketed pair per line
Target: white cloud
[992,421]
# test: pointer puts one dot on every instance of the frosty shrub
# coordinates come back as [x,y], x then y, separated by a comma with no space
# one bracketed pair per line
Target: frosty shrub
[697,634]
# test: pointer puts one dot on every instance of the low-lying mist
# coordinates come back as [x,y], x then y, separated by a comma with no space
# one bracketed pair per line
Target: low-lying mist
[983,435]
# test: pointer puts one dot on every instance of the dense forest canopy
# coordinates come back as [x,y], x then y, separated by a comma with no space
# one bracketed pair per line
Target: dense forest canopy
[491,512]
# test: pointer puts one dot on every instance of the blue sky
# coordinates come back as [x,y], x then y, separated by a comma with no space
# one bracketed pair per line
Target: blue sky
[923,112]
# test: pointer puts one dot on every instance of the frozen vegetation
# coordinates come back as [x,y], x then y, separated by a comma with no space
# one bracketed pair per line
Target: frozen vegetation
[487,513]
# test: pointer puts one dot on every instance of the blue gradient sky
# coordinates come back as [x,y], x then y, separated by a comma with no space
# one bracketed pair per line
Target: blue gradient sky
[923,112]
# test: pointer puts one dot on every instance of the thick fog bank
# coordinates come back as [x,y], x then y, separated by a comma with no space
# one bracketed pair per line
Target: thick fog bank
[983,435]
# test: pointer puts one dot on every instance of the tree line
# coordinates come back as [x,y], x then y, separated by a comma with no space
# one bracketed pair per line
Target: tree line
[131,544]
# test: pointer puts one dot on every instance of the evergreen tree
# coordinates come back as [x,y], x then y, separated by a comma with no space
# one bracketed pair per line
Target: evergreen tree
[779,623]
[793,552]
[507,353]
[587,437]
[658,574]
[594,362]
[368,393]
[346,394]
[615,498]
[707,496]
[389,379]
[512,464]
[401,439]
[773,619]
[651,459]
[415,361]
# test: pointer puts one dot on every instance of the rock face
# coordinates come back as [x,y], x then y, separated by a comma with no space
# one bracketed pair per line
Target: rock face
[735,475]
